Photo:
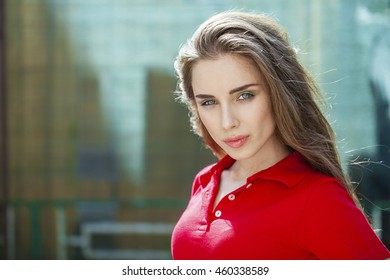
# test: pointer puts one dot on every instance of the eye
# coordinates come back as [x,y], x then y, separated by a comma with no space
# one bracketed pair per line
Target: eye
[208,102]
[245,96]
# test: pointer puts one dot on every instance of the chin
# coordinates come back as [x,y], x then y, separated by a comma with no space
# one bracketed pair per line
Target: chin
[240,155]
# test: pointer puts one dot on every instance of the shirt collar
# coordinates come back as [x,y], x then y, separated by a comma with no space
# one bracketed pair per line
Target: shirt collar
[289,171]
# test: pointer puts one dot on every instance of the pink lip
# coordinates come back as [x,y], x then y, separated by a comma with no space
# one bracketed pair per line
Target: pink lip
[236,141]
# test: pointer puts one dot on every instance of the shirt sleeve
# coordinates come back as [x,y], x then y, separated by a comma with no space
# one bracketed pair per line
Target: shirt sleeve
[333,227]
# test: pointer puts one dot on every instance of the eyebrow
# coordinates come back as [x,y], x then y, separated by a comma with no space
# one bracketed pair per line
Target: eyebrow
[232,91]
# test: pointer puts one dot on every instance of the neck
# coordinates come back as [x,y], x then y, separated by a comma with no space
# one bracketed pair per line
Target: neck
[242,169]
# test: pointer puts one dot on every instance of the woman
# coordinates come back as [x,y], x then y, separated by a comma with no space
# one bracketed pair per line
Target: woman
[278,191]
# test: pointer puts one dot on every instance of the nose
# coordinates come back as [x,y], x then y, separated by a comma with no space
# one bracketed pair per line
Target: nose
[229,119]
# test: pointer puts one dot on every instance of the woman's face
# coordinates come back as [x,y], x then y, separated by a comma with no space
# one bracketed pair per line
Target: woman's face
[233,103]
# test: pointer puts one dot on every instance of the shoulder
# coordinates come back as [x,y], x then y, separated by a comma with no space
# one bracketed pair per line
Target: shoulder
[325,198]
[326,195]
[326,188]
[331,226]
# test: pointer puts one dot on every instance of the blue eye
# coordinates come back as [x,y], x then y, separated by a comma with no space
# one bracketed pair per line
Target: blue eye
[245,96]
[208,103]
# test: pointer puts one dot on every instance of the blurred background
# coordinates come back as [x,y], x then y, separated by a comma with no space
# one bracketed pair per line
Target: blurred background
[97,159]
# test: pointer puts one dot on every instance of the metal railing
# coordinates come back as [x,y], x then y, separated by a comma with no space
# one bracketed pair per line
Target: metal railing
[88,228]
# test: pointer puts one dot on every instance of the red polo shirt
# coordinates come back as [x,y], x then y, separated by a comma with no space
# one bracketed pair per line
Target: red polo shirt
[288,211]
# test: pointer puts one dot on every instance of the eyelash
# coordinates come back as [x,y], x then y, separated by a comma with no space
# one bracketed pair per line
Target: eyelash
[247,95]
[206,102]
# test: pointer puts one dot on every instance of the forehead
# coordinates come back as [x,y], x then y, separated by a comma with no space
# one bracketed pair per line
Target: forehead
[224,73]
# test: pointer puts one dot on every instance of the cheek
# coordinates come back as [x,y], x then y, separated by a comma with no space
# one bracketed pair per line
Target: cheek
[209,122]
[261,116]
[206,120]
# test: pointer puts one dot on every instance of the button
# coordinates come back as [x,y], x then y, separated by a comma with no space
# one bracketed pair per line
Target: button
[232,197]
[218,213]
[249,185]
[202,227]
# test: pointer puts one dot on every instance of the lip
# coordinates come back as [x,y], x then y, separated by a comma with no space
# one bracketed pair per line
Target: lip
[236,141]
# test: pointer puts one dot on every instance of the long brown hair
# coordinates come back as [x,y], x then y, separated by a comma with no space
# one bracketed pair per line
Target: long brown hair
[294,94]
